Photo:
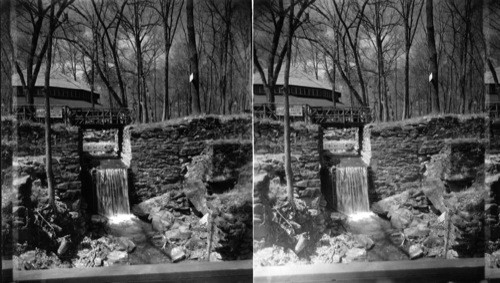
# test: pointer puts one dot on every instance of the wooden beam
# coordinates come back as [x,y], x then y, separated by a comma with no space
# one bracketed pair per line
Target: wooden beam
[425,270]
[227,271]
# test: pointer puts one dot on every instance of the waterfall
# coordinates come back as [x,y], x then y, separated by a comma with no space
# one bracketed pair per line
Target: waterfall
[112,191]
[352,189]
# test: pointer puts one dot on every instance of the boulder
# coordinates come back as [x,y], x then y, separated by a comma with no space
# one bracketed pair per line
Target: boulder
[419,231]
[451,254]
[162,220]
[196,193]
[200,168]
[98,219]
[355,254]
[301,243]
[415,251]
[363,241]
[433,190]
[145,208]
[63,246]
[386,205]
[116,257]
[126,244]
[401,218]
[177,254]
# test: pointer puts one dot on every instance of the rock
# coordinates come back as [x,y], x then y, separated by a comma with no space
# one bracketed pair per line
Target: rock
[433,190]
[145,208]
[97,261]
[386,205]
[116,257]
[401,218]
[433,242]
[22,185]
[337,216]
[416,251]
[451,254]
[336,258]
[204,220]
[196,193]
[63,247]
[214,256]
[162,220]
[419,231]
[434,252]
[127,244]
[184,232]
[355,254]
[76,205]
[363,241]
[458,221]
[442,218]
[74,214]
[261,184]
[177,254]
[301,243]
[98,219]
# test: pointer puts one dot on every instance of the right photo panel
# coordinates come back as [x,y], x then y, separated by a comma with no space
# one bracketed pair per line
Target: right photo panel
[376,140]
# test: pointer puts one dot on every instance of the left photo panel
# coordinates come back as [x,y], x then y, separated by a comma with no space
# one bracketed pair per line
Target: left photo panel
[126,140]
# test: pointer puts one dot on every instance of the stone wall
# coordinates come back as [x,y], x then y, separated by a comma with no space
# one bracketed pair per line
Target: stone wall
[161,152]
[31,142]
[401,153]
[305,143]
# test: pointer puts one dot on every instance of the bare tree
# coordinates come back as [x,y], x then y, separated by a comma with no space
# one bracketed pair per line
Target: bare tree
[410,11]
[54,23]
[170,12]
[433,63]
[270,24]
[193,60]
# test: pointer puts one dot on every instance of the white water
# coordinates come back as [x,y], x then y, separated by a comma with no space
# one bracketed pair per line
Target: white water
[352,189]
[112,191]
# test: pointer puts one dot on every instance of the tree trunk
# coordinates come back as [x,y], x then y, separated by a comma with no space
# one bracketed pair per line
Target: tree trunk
[48,143]
[166,112]
[288,156]
[193,60]
[431,44]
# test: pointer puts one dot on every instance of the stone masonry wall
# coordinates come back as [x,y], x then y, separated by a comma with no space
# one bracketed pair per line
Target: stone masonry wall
[161,152]
[268,140]
[400,153]
[66,167]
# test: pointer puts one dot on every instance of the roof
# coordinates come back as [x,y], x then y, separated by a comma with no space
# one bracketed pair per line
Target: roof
[279,99]
[21,101]
[297,78]
[488,76]
[57,79]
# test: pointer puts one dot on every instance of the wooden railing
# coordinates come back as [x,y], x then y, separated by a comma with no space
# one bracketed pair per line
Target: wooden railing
[37,113]
[334,115]
[318,115]
[265,110]
[92,117]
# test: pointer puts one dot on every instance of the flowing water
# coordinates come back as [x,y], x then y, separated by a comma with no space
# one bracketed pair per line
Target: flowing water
[352,189]
[112,191]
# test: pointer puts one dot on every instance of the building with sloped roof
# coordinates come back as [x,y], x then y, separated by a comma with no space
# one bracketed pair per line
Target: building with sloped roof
[64,91]
[492,90]
[304,90]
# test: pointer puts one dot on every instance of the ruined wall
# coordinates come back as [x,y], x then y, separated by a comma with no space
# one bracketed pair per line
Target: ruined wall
[31,142]
[305,142]
[161,152]
[401,154]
